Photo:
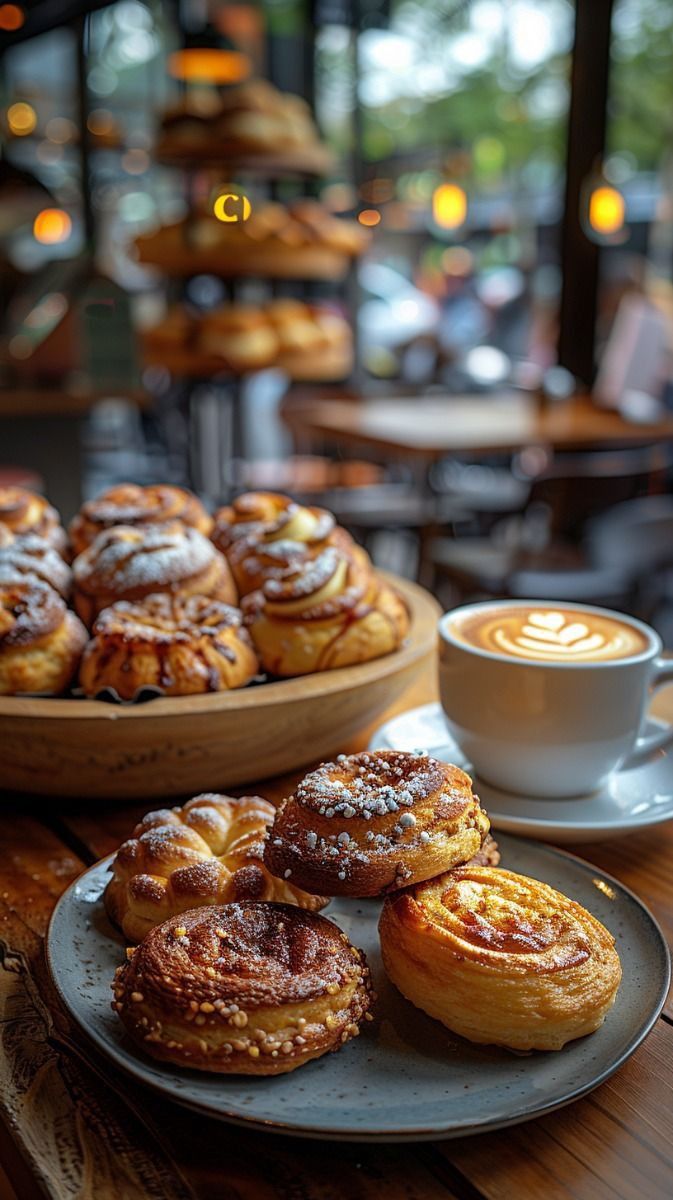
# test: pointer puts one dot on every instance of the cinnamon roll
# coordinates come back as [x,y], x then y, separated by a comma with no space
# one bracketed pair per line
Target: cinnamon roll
[132,562]
[31,557]
[500,959]
[128,504]
[183,645]
[247,988]
[326,612]
[374,822]
[263,534]
[41,642]
[23,512]
[207,852]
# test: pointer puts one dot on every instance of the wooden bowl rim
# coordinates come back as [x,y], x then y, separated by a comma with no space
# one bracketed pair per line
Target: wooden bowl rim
[424,611]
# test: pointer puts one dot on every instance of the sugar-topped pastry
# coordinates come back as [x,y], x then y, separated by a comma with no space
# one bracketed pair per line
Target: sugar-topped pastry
[326,612]
[500,958]
[24,512]
[207,852]
[33,557]
[41,641]
[373,822]
[129,504]
[130,562]
[247,988]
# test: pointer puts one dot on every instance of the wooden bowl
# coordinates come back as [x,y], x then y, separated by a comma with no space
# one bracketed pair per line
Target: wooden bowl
[178,746]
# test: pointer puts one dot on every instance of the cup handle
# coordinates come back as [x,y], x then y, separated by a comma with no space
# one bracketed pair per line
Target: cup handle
[648,744]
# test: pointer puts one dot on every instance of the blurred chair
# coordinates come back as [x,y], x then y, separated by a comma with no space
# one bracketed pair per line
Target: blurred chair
[539,553]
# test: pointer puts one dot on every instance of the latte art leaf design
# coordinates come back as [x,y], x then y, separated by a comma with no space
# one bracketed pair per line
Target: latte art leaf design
[556,636]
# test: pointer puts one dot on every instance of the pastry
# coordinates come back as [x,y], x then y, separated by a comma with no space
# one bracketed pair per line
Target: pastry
[128,504]
[207,852]
[130,562]
[183,645]
[299,241]
[263,533]
[247,988]
[500,959]
[241,335]
[31,557]
[330,611]
[23,511]
[314,343]
[374,822]
[41,642]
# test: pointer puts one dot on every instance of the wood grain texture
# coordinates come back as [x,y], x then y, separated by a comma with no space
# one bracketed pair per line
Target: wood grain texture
[179,745]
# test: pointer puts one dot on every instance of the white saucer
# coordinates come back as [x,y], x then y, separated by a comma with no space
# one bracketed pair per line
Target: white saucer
[630,800]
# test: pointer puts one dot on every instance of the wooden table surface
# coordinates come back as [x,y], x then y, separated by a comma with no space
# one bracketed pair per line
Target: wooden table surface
[72,1127]
[431,427]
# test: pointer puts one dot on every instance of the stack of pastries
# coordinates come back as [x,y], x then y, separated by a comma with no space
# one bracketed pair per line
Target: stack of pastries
[307,341]
[301,240]
[237,972]
[253,119]
[181,602]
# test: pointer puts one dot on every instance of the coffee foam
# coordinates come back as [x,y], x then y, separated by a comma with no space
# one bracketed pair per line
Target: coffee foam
[550,634]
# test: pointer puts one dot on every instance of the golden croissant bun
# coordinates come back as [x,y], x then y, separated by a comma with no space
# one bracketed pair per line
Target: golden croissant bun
[373,822]
[33,557]
[182,645]
[208,852]
[265,535]
[41,642]
[247,988]
[330,611]
[499,958]
[128,504]
[131,562]
[23,511]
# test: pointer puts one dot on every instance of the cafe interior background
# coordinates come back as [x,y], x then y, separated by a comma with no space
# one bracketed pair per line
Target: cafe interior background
[502,170]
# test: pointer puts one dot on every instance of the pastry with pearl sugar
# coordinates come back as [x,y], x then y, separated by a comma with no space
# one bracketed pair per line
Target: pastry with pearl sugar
[247,988]
[374,822]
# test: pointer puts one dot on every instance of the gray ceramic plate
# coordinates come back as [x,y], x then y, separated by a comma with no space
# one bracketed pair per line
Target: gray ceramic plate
[406,1077]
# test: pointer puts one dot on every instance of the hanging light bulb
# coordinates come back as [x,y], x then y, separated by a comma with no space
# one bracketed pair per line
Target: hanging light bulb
[603,211]
[449,206]
[208,57]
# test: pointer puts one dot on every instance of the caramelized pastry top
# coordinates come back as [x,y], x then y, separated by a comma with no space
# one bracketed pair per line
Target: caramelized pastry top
[269,517]
[128,504]
[23,511]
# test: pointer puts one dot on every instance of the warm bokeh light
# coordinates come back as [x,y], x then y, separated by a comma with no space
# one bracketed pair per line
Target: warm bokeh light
[61,130]
[135,161]
[369,217]
[11,17]
[606,211]
[449,206]
[52,226]
[21,119]
[232,207]
[206,65]
[100,121]
[457,261]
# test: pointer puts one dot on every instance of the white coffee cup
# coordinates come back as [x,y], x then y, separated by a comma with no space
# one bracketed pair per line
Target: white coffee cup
[547,728]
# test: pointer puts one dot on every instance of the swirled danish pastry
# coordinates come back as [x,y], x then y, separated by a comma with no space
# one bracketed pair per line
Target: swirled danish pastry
[264,534]
[328,612]
[374,822]
[130,562]
[207,852]
[23,511]
[128,504]
[41,642]
[183,645]
[32,557]
[500,959]
[247,988]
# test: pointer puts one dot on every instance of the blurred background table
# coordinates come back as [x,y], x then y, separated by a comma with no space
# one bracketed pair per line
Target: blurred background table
[72,1126]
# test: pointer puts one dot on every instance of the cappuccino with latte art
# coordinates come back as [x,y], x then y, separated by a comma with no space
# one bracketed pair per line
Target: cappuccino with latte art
[553,635]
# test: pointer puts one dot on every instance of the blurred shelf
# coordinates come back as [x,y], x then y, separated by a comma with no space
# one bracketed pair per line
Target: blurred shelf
[332,365]
[308,161]
[300,263]
[17,402]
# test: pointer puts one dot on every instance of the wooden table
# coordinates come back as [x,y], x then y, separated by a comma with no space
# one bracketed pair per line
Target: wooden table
[428,428]
[73,1127]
